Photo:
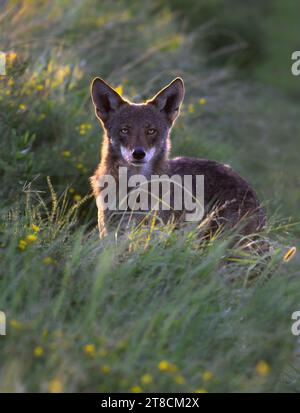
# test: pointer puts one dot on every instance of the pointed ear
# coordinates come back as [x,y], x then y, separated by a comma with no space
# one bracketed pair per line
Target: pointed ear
[169,99]
[106,100]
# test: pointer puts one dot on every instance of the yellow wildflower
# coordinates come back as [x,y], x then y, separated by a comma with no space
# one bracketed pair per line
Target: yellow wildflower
[83,128]
[11,56]
[207,375]
[105,369]
[89,349]
[119,89]
[35,228]
[136,389]
[22,244]
[191,108]
[50,67]
[55,386]
[79,166]
[165,365]
[15,324]
[289,254]
[48,260]
[39,87]
[201,390]
[262,368]
[22,106]
[146,379]
[31,238]
[179,379]
[66,154]
[11,82]
[77,197]
[202,101]
[71,190]
[38,351]
[45,333]
[61,73]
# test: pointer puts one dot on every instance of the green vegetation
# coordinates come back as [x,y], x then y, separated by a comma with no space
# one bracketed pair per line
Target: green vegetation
[157,310]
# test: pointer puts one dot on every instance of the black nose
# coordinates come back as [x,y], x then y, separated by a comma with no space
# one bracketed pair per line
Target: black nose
[138,154]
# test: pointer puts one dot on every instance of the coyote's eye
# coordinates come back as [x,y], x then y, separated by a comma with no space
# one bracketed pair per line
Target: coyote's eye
[124,131]
[151,131]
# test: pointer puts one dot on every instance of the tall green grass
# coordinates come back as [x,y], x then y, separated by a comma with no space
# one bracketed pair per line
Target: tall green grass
[156,310]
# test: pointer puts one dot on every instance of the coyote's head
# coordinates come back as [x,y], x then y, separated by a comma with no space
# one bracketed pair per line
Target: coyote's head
[137,133]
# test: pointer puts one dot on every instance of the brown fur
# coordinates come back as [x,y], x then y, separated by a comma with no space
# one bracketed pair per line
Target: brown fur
[223,186]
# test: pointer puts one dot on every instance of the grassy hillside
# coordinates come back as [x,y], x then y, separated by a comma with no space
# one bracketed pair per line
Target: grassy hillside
[157,310]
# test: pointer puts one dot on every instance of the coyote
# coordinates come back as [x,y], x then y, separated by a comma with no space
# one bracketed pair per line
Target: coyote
[137,137]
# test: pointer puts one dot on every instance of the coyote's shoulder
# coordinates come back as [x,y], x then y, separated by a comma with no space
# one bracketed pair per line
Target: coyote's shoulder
[137,137]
